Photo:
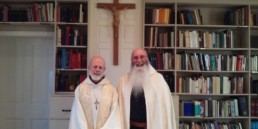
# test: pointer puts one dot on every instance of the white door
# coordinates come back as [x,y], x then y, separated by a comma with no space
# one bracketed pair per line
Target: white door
[25,64]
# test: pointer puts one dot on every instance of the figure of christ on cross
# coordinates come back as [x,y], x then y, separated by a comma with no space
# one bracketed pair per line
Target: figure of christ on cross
[115,8]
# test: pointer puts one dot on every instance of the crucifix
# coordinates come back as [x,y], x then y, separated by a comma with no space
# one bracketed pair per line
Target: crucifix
[96,104]
[115,8]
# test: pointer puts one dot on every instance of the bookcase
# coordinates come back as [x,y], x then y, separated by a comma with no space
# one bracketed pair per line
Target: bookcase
[207,53]
[27,11]
[71,50]
[71,44]
[66,21]
[253,68]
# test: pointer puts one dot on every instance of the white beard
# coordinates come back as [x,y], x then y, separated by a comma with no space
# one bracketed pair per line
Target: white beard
[96,77]
[138,78]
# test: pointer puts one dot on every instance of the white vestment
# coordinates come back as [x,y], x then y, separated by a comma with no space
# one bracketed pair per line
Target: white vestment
[158,99]
[108,110]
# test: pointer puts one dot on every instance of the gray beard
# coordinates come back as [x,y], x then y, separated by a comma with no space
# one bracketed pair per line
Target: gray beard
[138,79]
[95,77]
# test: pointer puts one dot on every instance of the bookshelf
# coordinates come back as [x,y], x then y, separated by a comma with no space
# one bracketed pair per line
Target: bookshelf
[27,11]
[67,20]
[207,52]
[253,68]
[64,23]
[71,45]
[71,50]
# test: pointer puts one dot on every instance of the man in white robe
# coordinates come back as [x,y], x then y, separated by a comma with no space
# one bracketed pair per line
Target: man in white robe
[95,104]
[144,80]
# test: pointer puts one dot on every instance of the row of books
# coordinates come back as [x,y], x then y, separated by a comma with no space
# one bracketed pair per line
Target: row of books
[159,16]
[165,15]
[210,85]
[71,59]
[38,12]
[163,37]
[254,107]
[215,108]
[71,35]
[161,60]
[210,62]
[238,16]
[68,83]
[189,17]
[254,62]
[76,13]
[159,37]
[206,39]
[210,125]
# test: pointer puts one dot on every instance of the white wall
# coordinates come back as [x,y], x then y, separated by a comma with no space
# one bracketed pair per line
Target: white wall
[101,35]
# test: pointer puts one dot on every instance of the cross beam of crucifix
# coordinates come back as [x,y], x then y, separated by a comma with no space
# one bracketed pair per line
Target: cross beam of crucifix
[115,8]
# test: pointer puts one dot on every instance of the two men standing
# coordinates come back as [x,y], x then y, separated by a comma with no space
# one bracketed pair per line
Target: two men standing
[142,99]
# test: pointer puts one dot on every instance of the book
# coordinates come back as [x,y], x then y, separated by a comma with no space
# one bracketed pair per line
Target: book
[189,108]
[253,107]
[236,107]
[169,78]
[240,85]
[242,106]
[210,108]
[197,108]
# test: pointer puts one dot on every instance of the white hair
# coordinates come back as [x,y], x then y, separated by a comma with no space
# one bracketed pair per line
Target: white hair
[139,76]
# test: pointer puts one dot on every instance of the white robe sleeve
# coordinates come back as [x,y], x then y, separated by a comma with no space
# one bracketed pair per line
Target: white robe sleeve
[77,118]
[113,121]
[170,108]
[159,104]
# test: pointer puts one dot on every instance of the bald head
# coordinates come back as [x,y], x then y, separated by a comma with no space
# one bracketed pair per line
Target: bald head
[139,57]
[97,59]
[137,51]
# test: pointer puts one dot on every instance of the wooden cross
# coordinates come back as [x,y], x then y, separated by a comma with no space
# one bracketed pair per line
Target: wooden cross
[115,8]
[96,104]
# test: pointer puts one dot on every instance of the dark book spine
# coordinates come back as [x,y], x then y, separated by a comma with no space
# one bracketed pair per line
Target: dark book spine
[243,106]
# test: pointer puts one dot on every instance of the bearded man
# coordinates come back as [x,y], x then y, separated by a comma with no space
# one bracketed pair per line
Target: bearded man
[144,97]
[95,104]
